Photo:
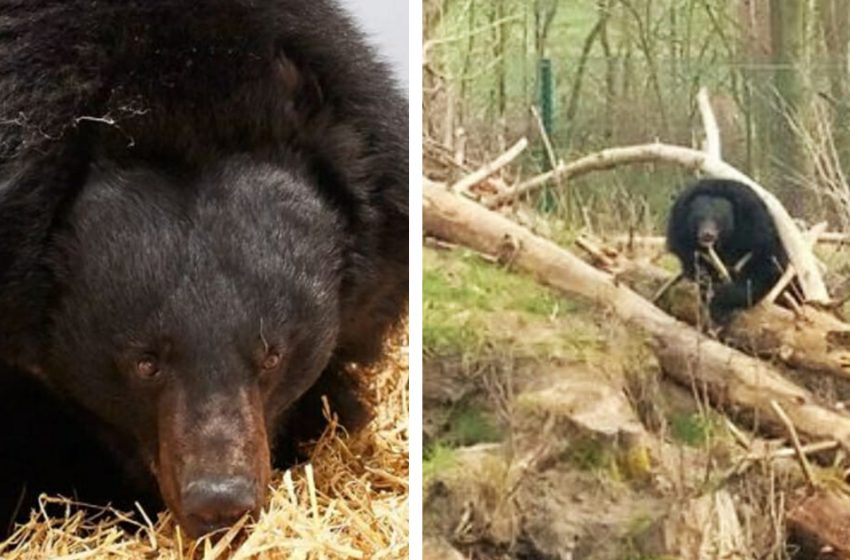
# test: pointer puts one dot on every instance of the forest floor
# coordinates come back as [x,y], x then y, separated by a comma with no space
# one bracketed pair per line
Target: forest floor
[552,433]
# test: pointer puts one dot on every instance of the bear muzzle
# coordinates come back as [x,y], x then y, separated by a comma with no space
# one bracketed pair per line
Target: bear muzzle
[215,502]
[214,460]
[707,236]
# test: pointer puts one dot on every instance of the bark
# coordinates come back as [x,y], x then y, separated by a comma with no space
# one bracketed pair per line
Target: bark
[755,58]
[544,15]
[819,524]
[712,131]
[835,21]
[610,75]
[501,54]
[787,34]
[815,341]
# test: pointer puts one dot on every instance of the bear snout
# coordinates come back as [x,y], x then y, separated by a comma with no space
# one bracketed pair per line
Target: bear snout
[707,235]
[214,460]
[216,502]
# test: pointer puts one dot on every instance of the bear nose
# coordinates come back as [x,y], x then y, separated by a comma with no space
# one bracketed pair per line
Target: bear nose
[707,238]
[212,503]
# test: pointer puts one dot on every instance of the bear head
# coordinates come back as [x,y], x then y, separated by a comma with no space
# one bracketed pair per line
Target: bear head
[192,311]
[711,220]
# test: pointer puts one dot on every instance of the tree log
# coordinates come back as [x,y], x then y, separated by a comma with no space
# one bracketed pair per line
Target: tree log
[814,341]
[730,376]
[819,525]
[659,241]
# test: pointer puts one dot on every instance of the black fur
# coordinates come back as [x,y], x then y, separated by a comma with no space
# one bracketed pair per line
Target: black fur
[745,226]
[213,172]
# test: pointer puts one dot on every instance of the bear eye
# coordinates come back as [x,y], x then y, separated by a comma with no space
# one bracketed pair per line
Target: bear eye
[271,360]
[147,367]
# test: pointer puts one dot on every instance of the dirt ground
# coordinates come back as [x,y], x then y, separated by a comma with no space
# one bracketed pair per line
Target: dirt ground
[555,435]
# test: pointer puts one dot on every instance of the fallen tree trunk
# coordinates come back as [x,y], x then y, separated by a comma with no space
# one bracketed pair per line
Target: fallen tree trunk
[731,377]
[814,341]
[819,524]
[659,241]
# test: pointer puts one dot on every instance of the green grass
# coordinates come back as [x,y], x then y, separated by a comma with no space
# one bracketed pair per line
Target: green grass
[590,455]
[463,294]
[448,327]
[692,429]
[469,425]
[437,459]
[468,280]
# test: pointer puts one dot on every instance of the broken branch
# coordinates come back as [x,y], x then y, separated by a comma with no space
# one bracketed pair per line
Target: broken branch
[490,168]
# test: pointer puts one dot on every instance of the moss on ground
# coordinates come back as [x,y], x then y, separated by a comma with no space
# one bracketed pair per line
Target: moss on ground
[436,459]
[473,307]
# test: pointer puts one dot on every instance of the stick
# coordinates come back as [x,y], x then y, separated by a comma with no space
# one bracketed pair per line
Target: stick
[596,253]
[795,440]
[431,43]
[788,274]
[742,438]
[780,286]
[718,264]
[550,151]
[742,262]
[815,233]
[547,142]
[747,461]
[793,304]
[666,287]
[809,449]
[489,168]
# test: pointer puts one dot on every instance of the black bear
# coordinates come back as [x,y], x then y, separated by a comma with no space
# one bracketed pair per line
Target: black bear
[730,218]
[203,223]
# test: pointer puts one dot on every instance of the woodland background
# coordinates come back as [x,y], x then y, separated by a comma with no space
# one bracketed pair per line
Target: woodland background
[568,414]
[627,72]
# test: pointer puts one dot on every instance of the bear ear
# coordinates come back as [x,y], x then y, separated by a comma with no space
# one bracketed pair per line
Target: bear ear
[298,83]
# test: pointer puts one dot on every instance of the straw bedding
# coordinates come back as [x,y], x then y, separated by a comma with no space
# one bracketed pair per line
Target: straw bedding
[349,501]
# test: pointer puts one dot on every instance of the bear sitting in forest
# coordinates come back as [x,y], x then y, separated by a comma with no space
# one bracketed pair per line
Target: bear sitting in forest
[730,218]
[203,223]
